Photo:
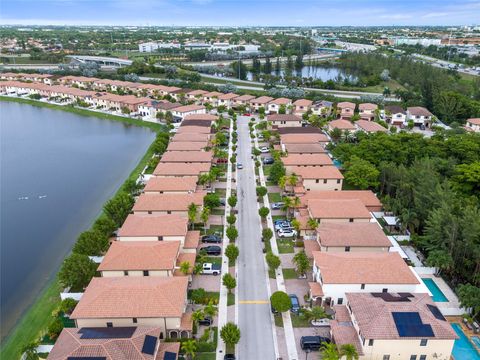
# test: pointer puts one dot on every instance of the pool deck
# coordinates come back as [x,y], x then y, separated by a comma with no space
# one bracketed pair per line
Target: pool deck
[450,307]
[469,333]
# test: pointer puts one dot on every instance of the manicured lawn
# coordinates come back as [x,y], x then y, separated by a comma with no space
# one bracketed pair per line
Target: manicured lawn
[278,320]
[289,274]
[271,274]
[270,183]
[231,299]
[221,192]
[205,356]
[278,217]
[211,259]
[217,211]
[298,321]
[215,229]
[285,246]
[274,197]
[266,170]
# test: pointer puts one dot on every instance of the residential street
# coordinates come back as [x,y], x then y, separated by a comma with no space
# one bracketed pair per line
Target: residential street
[254,320]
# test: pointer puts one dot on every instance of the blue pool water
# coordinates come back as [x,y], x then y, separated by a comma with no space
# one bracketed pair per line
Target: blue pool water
[437,294]
[463,348]
[476,340]
[337,163]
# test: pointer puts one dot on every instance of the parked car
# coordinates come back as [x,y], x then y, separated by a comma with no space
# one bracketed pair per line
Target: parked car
[239,166]
[212,250]
[264,149]
[206,321]
[313,342]
[268,161]
[277,205]
[282,224]
[211,269]
[320,322]
[284,233]
[222,161]
[229,357]
[295,304]
[222,201]
[247,114]
[215,239]
[422,127]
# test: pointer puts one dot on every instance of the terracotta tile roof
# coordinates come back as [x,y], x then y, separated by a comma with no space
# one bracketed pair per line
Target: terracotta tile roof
[172,347]
[187,146]
[190,137]
[189,108]
[299,130]
[197,93]
[72,344]
[129,297]
[395,109]
[475,121]
[244,98]
[316,172]
[261,100]
[187,129]
[187,157]
[153,225]
[419,111]
[352,234]
[141,255]
[368,106]
[228,96]
[303,102]
[370,126]
[367,197]
[305,149]
[363,268]
[167,201]
[338,209]
[310,246]
[181,169]
[344,333]
[284,117]
[315,289]
[346,104]
[307,160]
[341,124]
[341,313]
[186,322]
[186,183]
[303,138]
[212,94]
[206,117]
[375,320]
[186,257]
[281,101]
[192,239]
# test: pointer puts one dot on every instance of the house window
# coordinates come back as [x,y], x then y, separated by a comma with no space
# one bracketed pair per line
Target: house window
[149,212]
[362,286]
[347,248]
[423,357]
[386,357]
[125,273]
[109,324]
[340,301]
[324,181]
[350,220]
[134,320]
[169,212]
[384,290]
[413,357]
[370,342]
[317,181]
[338,181]
[145,273]
[423,342]
[160,238]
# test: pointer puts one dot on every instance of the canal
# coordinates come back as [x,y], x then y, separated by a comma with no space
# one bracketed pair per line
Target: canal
[57,170]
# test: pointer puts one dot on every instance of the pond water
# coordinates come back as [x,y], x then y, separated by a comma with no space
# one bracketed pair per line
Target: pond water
[315,72]
[57,170]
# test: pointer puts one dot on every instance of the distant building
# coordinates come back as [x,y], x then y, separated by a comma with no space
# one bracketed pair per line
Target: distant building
[154,46]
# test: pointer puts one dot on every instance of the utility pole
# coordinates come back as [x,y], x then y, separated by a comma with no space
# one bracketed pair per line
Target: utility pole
[239,66]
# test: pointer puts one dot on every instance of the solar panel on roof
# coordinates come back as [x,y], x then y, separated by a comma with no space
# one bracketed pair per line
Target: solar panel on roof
[409,324]
[107,333]
[169,356]
[388,297]
[405,294]
[436,312]
[149,345]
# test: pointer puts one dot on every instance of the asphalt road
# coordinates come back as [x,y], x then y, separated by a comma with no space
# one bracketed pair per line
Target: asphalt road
[253,317]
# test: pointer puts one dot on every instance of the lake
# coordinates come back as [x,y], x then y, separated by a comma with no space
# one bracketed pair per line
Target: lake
[57,171]
[315,72]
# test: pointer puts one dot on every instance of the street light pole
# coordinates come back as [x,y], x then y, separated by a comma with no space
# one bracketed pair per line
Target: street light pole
[307,351]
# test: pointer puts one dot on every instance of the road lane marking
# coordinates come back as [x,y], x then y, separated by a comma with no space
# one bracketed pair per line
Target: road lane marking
[253,302]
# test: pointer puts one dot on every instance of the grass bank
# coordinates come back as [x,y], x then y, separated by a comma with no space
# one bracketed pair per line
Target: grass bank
[37,317]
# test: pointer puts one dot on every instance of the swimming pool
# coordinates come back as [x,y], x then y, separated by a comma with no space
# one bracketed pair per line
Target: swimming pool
[476,340]
[463,348]
[337,163]
[437,294]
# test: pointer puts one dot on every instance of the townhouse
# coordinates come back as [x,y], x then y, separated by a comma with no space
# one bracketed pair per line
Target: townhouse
[182,111]
[187,146]
[473,125]
[367,111]
[154,107]
[322,108]
[243,100]
[310,138]
[181,169]
[284,120]
[301,106]
[420,116]
[211,98]
[367,197]
[352,237]
[127,343]
[338,273]
[275,105]
[187,157]
[136,301]
[190,137]
[203,128]
[395,115]
[171,185]
[318,177]
[369,126]
[163,204]
[394,326]
[195,95]
[337,210]
[260,102]
[293,161]
[342,124]
[304,149]
[227,100]
[345,110]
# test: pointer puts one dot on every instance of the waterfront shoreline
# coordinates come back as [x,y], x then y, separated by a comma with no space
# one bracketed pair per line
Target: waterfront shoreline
[36,317]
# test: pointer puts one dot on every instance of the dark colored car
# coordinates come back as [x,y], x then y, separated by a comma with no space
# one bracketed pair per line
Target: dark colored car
[207,321]
[211,239]
[295,304]
[229,357]
[222,202]
[313,342]
[268,161]
[212,250]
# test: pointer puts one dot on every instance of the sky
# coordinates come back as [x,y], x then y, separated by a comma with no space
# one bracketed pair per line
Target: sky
[240,12]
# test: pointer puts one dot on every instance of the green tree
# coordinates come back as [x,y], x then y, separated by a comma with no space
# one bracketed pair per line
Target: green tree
[197,316]
[232,233]
[229,282]
[312,223]
[301,262]
[315,313]
[267,234]
[361,173]
[280,301]
[277,170]
[30,351]
[349,351]
[263,212]
[296,225]
[185,267]
[261,191]
[192,213]
[232,252]
[105,225]
[189,347]
[205,215]
[232,201]
[273,261]
[119,207]
[469,296]
[230,334]
[67,305]
[336,134]
[55,328]
[440,259]
[91,242]
[330,352]
[76,271]
[211,200]
[210,310]
[467,178]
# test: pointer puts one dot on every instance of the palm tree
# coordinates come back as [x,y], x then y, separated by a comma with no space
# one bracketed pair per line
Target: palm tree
[282,182]
[349,351]
[292,180]
[287,204]
[204,215]
[312,223]
[336,134]
[192,213]
[315,313]
[185,267]
[330,352]
[301,261]
[296,202]
[210,310]
[197,316]
[189,347]
[409,220]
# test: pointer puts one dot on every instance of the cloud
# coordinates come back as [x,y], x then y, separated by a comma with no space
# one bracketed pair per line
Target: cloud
[436,14]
